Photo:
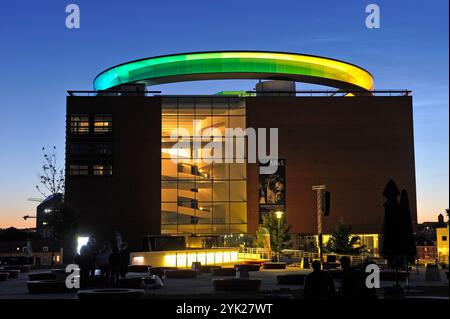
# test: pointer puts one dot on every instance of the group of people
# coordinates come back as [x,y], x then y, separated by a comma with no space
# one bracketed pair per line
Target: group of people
[111,261]
[319,284]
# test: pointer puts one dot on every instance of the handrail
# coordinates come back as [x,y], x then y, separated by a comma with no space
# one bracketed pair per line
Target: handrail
[329,93]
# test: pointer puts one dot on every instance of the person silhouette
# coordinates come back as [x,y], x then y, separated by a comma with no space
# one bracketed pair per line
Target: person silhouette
[114,266]
[353,282]
[318,284]
[124,260]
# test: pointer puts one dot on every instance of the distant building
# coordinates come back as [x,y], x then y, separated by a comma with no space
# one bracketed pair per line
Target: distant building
[26,247]
[427,252]
[43,211]
[426,231]
[442,244]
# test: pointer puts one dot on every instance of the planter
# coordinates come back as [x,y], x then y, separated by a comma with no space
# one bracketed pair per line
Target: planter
[113,293]
[159,271]
[208,269]
[46,286]
[13,273]
[22,268]
[4,276]
[236,284]
[181,274]
[131,283]
[291,279]
[60,274]
[41,276]
[139,268]
[247,267]
[255,262]
[223,272]
[274,265]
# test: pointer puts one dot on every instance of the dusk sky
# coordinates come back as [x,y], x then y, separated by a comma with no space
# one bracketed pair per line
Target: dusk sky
[40,59]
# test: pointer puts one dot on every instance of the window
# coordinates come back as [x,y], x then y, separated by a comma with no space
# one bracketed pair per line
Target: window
[103,124]
[78,170]
[79,124]
[103,170]
[45,249]
[444,238]
[197,196]
[103,149]
[79,149]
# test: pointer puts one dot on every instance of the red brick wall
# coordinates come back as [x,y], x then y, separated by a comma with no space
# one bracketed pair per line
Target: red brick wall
[353,145]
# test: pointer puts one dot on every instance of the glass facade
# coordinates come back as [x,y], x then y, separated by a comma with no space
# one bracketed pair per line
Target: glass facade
[200,195]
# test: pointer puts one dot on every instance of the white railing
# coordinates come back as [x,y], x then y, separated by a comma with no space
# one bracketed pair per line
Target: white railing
[249,253]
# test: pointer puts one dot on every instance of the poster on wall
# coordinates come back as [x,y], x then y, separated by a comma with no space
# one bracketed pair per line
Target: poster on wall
[272,190]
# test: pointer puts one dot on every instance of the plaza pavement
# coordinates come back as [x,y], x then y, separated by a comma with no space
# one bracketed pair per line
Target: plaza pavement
[202,286]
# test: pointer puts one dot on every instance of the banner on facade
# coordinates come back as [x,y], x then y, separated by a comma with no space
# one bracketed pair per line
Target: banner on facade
[272,190]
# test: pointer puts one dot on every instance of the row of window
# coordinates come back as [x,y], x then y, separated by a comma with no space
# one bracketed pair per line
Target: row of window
[25,249]
[206,229]
[86,170]
[84,124]
[90,149]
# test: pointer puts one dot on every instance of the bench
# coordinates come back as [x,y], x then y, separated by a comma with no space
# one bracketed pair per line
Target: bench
[139,268]
[247,267]
[46,286]
[42,276]
[13,273]
[206,269]
[274,265]
[223,271]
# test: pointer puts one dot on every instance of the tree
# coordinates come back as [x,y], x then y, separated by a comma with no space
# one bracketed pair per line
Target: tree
[270,222]
[342,241]
[63,218]
[51,177]
[261,232]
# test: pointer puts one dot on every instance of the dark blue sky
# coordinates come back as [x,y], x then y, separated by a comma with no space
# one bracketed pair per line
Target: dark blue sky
[40,59]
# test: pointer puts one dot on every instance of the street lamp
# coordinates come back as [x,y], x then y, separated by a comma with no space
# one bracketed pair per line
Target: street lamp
[279,215]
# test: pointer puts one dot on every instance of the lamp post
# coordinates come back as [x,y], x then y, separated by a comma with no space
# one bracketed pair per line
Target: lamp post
[320,189]
[279,215]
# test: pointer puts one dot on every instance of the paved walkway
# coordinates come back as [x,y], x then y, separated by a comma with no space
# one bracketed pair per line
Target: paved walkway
[202,285]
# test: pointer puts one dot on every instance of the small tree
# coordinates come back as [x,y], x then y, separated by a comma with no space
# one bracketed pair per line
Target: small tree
[63,218]
[260,234]
[270,222]
[342,241]
[51,177]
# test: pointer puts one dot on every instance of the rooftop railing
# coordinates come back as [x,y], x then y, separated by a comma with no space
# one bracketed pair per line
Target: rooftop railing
[311,93]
